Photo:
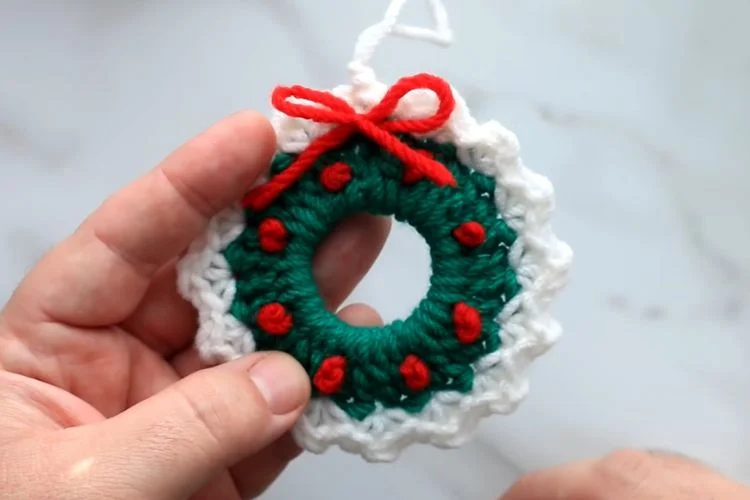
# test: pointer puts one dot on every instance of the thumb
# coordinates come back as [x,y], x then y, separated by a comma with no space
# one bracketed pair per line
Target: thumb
[177,440]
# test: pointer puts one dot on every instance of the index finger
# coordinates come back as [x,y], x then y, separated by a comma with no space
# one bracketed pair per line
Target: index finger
[99,274]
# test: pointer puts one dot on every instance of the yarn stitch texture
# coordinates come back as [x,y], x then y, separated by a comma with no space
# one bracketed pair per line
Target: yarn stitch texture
[461,355]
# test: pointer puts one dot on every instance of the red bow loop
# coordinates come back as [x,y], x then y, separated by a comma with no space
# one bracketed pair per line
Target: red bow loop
[377,124]
[331,109]
[387,106]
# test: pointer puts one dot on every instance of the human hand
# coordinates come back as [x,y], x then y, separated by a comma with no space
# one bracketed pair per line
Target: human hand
[628,475]
[101,395]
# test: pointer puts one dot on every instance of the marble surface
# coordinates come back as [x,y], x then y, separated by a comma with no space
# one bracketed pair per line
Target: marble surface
[636,109]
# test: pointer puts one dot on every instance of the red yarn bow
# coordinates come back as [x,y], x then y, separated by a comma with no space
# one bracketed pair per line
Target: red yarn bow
[375,124]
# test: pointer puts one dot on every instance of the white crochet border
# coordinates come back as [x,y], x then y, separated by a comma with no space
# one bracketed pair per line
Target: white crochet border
[541,261]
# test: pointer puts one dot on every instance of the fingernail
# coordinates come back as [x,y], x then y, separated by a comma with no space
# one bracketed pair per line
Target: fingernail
[281,380]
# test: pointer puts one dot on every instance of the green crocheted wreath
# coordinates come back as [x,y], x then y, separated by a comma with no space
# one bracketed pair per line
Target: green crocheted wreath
[404,363]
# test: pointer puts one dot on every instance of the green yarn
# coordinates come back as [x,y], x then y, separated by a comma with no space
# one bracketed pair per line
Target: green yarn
[481,277]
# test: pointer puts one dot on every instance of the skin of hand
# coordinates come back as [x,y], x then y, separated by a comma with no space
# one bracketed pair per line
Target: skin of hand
[629,475]
[101,393]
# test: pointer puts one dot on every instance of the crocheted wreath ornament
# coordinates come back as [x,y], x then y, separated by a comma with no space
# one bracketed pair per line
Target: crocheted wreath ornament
[414,152]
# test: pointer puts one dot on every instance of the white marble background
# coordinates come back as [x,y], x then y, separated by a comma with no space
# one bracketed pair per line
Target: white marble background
[637,109]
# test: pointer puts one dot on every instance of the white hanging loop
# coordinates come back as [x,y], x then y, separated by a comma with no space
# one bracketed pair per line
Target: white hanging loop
[370,38]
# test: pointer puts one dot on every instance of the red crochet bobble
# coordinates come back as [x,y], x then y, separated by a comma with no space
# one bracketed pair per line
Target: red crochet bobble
[272,235]
[335,177]
[330,376]
[468,323]
[415,372]
[274,319]
[470,234]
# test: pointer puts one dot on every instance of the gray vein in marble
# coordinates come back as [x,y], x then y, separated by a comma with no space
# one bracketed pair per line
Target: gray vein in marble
[729,270]
[648,312]
[13,138]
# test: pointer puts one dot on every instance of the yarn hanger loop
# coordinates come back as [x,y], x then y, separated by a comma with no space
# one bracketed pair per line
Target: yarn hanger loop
[368,41]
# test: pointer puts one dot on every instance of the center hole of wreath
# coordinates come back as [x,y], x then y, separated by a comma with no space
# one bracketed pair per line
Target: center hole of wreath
[400,277]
